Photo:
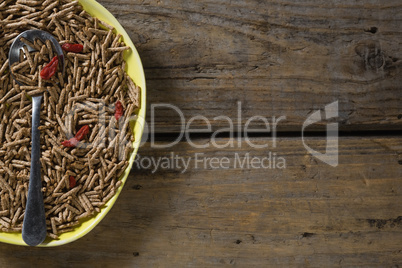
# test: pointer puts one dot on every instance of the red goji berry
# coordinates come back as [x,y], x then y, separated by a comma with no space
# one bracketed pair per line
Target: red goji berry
[73,182]
[70,143]
[76,48]
[118,110]
[84,130]
[50,69]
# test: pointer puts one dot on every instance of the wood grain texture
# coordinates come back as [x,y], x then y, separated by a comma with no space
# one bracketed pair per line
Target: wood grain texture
[306,215]
[278,58]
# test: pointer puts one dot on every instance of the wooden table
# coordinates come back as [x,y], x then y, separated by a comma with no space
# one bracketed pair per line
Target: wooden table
[271,59]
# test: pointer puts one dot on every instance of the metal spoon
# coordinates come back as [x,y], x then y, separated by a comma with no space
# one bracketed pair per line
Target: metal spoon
[34,225]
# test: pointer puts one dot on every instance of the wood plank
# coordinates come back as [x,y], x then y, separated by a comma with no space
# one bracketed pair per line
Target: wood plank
[309,214]
[278,58]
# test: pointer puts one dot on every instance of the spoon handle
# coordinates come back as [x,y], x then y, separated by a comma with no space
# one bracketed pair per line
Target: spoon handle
[34,225]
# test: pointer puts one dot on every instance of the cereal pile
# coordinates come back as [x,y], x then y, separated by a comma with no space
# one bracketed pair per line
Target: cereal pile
[85,134]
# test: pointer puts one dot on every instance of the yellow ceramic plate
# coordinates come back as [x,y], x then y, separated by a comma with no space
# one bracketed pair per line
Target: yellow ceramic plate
[136,72]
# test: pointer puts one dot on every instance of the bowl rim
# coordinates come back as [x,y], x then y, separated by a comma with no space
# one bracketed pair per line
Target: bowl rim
[87,224]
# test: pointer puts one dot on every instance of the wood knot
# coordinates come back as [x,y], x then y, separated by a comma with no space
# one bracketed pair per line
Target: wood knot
[371,54]
[372,30]
[381,223]
[137,187]
[376,60]
[306,234]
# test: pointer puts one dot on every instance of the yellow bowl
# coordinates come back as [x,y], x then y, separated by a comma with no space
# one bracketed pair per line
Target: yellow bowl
[136,72]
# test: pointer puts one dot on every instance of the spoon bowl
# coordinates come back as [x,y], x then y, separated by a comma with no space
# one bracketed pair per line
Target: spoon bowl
[32,35]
